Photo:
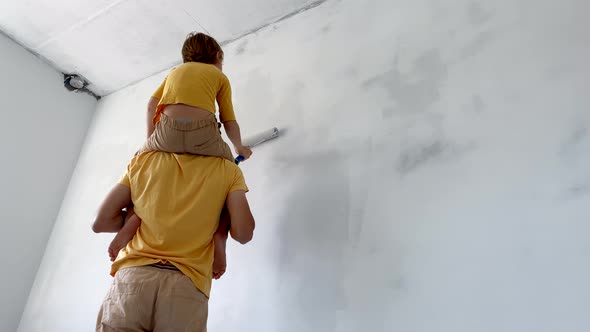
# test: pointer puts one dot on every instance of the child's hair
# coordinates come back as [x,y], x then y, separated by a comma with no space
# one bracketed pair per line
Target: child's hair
[199,47]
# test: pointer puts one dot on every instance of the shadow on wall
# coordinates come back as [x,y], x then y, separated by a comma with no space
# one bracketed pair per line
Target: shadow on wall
[414,91]
[312,240]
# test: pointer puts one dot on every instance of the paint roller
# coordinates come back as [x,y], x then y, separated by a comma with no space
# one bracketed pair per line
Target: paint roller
[258,139]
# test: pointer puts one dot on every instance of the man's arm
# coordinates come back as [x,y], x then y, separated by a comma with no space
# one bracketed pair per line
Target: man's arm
[242,221]
[110,217]
[151,112]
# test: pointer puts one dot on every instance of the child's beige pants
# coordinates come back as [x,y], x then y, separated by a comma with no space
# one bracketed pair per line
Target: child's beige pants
[148,298]
[200,137]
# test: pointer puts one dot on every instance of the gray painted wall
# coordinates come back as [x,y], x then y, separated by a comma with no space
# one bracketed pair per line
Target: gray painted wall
[43,127]
[433,175]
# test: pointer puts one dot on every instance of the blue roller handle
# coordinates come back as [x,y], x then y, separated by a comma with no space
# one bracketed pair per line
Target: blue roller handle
[239,159]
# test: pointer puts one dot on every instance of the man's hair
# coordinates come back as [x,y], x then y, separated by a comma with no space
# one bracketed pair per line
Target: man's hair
[199,47]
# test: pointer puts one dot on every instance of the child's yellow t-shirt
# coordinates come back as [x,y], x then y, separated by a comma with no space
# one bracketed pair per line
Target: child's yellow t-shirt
[179,198]
[199,85]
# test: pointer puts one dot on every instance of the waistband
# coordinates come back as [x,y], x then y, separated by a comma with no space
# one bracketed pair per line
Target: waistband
[187,124]
[165,266]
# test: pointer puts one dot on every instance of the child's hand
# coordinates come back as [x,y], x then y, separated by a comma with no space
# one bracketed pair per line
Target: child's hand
[244,151]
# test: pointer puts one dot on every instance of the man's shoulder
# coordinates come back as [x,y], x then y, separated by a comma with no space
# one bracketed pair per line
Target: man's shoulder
[189,170]
[226,165]
[188,161]
[221,167]
[164,159]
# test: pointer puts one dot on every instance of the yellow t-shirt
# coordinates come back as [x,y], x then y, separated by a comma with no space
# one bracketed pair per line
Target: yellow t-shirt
[199,85]
[179,198]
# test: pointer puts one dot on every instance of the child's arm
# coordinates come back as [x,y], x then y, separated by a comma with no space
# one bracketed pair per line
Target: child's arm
[227,116]
[110,217]
[151,112]
[232,129]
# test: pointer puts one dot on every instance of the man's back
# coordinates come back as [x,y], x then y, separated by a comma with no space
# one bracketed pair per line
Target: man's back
[179,199]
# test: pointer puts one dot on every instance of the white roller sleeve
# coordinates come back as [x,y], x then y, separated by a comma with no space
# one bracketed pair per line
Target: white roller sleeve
[261,137]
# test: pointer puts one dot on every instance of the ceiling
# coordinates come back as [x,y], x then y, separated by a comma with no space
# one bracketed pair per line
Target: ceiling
[113,43]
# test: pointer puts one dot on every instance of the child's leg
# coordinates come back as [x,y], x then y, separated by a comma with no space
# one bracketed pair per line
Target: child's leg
[166,137]
[125,235]
[220,241]
[204,138]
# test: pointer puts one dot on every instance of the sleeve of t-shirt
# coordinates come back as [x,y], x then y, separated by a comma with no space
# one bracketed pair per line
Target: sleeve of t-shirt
[238,181]
[226,108]
[125,179]
[160,90]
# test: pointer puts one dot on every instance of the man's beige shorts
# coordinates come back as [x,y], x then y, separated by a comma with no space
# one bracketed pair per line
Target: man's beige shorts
[201,137]
[148,298]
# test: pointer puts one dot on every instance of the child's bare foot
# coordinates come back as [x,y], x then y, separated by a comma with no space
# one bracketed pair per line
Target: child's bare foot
[219,258]
[124,236]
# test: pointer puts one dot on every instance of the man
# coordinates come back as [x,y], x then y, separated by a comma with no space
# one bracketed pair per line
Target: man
[163,276]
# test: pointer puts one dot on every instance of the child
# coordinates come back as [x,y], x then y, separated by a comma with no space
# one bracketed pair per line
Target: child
[181,119]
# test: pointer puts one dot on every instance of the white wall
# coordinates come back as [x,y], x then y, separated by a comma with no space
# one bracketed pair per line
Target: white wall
[43,127]
[432,175]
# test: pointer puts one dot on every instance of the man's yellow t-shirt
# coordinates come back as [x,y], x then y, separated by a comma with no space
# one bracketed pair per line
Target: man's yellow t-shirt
[179,198]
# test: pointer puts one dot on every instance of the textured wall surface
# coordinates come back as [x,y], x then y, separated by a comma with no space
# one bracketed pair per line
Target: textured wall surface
[432,174]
